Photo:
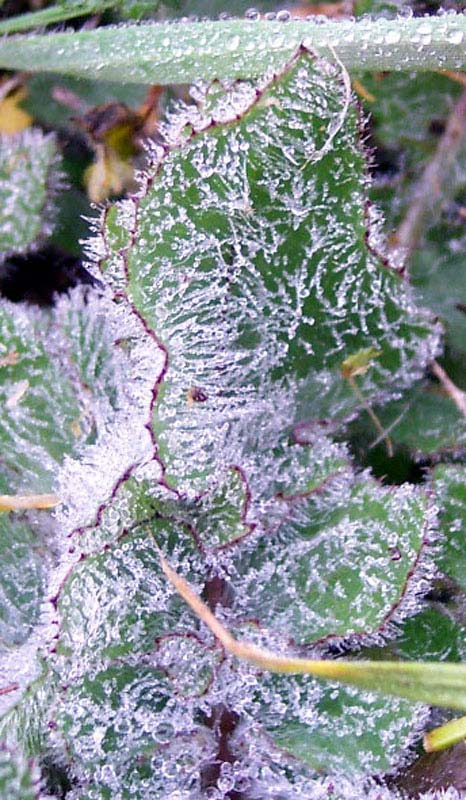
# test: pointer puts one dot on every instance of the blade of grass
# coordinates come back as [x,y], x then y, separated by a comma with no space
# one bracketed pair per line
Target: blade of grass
[433,683]
[58,13]
[170,53]
[430,189]
[443,737]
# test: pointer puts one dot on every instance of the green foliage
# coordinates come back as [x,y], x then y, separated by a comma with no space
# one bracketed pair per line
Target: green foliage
[197,404]
[28,181]
[65,9]
[450,487]
[56,366]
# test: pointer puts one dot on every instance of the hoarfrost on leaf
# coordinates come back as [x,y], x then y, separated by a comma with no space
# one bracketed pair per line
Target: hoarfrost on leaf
[189,410]
[29,178]
[250,257]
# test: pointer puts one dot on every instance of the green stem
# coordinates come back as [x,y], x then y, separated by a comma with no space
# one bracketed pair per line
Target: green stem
[182,52]
[434,683]
[445,736]
[59,13]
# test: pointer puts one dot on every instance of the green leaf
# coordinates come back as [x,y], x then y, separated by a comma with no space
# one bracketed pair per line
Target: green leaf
[53,363]
[437,272]
[340,730]
[407,112]
[425,422]
[28,180]
[435,634]
[450,487]
[180,53]
[66,9]
[345,572]
[251,234]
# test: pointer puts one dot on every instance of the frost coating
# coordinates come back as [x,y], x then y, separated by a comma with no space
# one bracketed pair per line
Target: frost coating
[113,455]
[248,255]
[344,570]
[19,777]
[57,387]
[240,278]
[69,395]
[141,673]
[28,179]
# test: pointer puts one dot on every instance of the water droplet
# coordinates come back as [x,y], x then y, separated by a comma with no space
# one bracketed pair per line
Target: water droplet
[392,37]
[233,44]
[455,37]
[283,15]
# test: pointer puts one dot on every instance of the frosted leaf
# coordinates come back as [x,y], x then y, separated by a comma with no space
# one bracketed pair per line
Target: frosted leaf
[267,772]
[221,518]
[125,441]
[237,505]
[116,603]
[240,279]
[250,257]
[115,608]
[338,730]
[347,570]
[128,737]
[23,555]
[24,724]
[29,177]
[57,387]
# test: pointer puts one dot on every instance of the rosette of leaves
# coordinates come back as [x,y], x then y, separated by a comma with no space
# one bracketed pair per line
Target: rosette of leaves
[241,279]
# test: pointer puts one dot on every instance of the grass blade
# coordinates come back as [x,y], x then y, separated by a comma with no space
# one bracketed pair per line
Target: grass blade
[438,684]
[180,53]
[58,13]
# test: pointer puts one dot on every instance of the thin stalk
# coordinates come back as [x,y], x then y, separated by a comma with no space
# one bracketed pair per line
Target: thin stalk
[21,502]
[433,683]
[446,735]
[450,388]
[383,434]
[167,53]
[428,191]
